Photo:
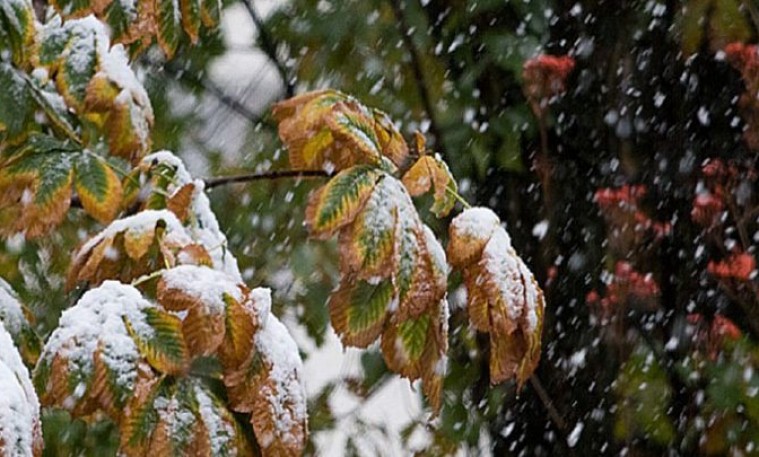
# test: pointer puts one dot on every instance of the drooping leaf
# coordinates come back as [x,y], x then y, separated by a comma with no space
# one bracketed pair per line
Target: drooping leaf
[358,310]
[503,298]
[268,384]
[182,417]
[161,341]
[17,22]
[96,81]
[338,202]
[16,104]
[131,247]
[205,294]
[332,131]
[367,245]
[169,25]
[35,191]
[416,348]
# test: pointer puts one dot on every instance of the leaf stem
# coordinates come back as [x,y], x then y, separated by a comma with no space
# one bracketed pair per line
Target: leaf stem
[452,192]
[148,277]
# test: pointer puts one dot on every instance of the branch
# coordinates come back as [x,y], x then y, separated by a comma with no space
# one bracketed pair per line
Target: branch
[217,92]
[553,413]
[264,175]
[269,47]
[421,83]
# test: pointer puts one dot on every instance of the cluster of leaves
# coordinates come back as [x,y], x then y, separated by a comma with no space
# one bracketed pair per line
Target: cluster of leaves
[394,273]
[167,342]
[95,115]
[171,356]
[138,23]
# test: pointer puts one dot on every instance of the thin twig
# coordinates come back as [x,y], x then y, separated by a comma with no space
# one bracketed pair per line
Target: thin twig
[216,91]
[421,82]
[210,183]
[269,47]
[553,413]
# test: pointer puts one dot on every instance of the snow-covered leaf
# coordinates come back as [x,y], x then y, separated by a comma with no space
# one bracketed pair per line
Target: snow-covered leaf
[96,81]
[17,321]
[269,385]
[20,428]
[180,417]
[206,295]
[504,299]
[17,33]
[93,359]
[131,247]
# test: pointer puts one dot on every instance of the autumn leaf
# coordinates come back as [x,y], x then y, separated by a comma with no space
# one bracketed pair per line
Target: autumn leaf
[415,348]
[182,417]
[504,299]
[20,410]
[96,82]
[333,131]
[336,203]
[98,187]
[358,310]
[268,385]
[205,295]
[134,246]
[102,346]
[432,173]
[19,34]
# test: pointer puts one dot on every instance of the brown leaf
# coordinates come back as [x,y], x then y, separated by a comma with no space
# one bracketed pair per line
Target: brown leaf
[179,203]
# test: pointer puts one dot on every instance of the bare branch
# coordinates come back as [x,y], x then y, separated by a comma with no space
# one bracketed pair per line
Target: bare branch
[269,47]
[421,82]
[210,183]
[553,413]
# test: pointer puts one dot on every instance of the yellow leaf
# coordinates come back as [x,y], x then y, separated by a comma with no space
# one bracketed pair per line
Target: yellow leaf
[338,202]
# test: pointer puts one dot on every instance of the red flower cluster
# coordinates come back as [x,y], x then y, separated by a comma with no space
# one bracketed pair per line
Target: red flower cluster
[626,196]
[706,209]
[620,208]
[738,266]
[627,287]
[713,337]
[744,58]
[544,77]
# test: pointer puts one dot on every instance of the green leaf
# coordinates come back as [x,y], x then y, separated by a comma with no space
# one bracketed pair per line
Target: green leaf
[98,187]
[358,310]
[169,27]
[17,29]
[78,69]
[120,15]
[413,334]
[16,104]
[338,202]
[164,347]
